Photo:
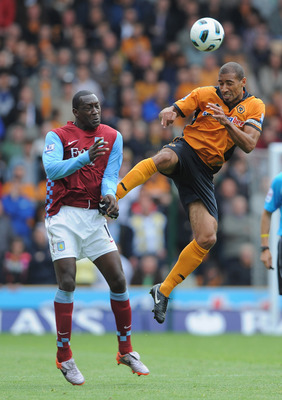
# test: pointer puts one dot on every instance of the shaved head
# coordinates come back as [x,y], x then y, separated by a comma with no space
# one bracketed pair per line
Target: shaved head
[233,67]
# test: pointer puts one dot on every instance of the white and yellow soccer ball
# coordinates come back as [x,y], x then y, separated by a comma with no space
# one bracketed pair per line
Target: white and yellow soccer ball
[207,34]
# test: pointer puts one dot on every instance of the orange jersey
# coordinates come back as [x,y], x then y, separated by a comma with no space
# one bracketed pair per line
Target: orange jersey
[207,136]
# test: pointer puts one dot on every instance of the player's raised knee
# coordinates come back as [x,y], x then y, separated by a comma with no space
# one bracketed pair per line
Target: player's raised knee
[206,240]
[165,160]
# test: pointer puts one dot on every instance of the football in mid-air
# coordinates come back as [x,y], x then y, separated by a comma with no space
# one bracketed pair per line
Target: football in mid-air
[207,34]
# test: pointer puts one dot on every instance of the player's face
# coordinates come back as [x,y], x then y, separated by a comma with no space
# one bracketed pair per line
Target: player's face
[88,113]
[231,88]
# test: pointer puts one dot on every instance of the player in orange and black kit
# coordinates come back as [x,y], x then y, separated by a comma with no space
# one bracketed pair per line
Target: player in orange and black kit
[225,116]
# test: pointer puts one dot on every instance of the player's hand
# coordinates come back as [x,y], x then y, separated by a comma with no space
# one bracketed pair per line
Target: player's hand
[218,113]
[109,206]
[266,258]
[98,149]
[167,116]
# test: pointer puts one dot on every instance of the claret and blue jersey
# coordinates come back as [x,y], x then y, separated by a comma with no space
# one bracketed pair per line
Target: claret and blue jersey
[71,178]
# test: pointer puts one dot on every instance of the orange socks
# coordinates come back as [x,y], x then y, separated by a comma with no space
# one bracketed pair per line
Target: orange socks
[136,176]
[190,258]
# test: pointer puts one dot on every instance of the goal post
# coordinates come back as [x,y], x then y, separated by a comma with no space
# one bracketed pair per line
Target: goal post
[275,166]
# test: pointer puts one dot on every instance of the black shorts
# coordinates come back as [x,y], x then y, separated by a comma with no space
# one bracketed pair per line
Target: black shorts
[279,265]
[193,178]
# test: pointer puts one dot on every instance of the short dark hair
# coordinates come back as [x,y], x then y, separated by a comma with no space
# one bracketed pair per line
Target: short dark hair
[77,96]
[233,67]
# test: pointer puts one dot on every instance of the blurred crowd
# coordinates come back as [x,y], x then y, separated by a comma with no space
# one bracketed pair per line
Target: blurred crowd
[136,56]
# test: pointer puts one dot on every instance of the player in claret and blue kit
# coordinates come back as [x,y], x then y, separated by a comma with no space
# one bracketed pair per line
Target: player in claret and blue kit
[82,161]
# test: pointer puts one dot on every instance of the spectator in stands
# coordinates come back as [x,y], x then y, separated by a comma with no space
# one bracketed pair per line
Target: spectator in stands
[209,272]
[147,86]
[41,269]
[84,81]
[65,68]
[271,133]
[149,227]
[236,229]
[7,13]
[125,207]
[132,45]
[16,262]
[7,97]
[156,102]
[275,21]
[162,25]
[258,55]
[25,160]
[270,76]
[31,113]
[188,79]
[238,270]
[226,190]
[18,205]
[233,49]
[100,70]
[239,12]
[45,87]
[6,235]
[13,145]
[148,271]
[238,170]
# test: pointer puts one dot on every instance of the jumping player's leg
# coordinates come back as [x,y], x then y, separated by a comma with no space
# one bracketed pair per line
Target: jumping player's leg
[165,161]
[204,227]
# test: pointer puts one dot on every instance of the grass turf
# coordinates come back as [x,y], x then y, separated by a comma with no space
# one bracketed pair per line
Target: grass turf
[182,366]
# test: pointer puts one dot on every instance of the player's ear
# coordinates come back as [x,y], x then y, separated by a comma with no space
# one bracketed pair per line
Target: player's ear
[74,111]
[244,80]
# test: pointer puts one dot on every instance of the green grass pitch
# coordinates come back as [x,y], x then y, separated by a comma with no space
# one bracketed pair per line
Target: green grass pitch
[182,366]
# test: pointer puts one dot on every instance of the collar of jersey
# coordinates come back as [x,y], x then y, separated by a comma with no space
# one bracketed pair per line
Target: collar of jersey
[245,95]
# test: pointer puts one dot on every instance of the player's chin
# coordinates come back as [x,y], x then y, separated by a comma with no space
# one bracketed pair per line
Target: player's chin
[226,98]
[95,123]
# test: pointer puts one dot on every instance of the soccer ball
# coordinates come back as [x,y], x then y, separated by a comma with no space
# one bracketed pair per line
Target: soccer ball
[207,34]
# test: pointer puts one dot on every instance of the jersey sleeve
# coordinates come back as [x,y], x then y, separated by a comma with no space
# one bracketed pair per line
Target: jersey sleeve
[257,113]
[188,104]
[273,198]
[111,173]
[54,164]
